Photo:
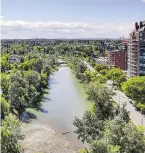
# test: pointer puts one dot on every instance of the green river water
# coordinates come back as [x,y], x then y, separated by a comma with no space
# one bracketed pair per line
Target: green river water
[63,101]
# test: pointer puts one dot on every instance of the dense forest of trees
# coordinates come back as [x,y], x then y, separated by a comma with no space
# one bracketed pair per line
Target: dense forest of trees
[25,69]
[24,76]
[106,127]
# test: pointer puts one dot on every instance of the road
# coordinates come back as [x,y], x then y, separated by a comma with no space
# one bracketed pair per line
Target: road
[89,67]
[121,99]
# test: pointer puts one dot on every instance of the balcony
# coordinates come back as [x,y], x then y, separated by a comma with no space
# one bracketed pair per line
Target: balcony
[134,57]
[135,48]
[135,43]
[134,67]
[134,51]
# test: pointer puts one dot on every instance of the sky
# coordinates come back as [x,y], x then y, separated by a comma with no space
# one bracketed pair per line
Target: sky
[24,19]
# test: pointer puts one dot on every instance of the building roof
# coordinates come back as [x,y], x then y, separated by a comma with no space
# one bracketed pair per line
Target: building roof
[142,29]
[116,51]
[101,60]
[125,41]
[143,22]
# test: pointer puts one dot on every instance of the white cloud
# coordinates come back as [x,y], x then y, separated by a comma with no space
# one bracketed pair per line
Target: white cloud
[1,17]
[143,1]
[15,28]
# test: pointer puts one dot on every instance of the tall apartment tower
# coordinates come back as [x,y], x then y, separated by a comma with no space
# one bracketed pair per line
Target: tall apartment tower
[124,45]
[136,51]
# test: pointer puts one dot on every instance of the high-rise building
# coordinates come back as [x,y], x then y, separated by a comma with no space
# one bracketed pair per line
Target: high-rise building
[136,50]
[124,45]
[117,58]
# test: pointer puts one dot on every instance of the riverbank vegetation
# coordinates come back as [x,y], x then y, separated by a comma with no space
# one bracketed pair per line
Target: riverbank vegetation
[102,72]
[114,74]
[135,89]
[26,66]
[23,79]
[106,127]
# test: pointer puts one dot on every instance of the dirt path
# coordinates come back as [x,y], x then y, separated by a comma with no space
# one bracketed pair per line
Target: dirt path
[43,139]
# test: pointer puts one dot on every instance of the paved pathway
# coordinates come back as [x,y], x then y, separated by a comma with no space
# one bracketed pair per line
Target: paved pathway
[121,99]
[89,67]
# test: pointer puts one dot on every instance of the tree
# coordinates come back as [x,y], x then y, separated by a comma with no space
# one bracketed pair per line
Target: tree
[5,107]
[11,134]
[34,86]
[38,65]
[100,78]
[101,96]
[44,80]
[116,75]
[80,67]
[28,64]
[4,83]
[125,135]
[88,128]
[103,72]
[135,89]
[103,126]
[100,67]
[46,69]
[5,65]
[18,91]
[33,78]
[89,76]
[99,146]
[91,126]
[119,137]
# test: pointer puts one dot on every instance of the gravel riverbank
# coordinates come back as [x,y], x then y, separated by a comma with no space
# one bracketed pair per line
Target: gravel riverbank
[41,138]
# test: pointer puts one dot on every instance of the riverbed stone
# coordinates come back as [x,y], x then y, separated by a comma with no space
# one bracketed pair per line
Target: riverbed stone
[41,138]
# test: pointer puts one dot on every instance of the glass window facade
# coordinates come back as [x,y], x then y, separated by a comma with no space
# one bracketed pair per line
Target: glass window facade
[142,60]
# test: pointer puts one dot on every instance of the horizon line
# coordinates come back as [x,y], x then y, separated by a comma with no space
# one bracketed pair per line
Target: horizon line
[59,38]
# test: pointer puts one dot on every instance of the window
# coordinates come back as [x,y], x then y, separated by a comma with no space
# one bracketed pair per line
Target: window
[140,57]
[142,72]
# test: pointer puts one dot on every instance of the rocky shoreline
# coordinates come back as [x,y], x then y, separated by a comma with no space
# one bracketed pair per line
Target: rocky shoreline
[40,138]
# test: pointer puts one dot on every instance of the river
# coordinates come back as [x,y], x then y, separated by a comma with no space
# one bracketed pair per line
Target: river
[64,100]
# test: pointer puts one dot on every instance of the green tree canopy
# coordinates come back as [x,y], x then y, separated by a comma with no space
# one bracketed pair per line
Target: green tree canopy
[135,89]
[11,134]
[116,75]
[18,91]
[5,106]
[100,67]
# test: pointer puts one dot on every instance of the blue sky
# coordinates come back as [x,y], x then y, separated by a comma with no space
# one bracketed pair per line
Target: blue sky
[70,18]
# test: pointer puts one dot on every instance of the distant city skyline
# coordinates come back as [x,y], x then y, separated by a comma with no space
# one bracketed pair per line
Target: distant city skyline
[69,18]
